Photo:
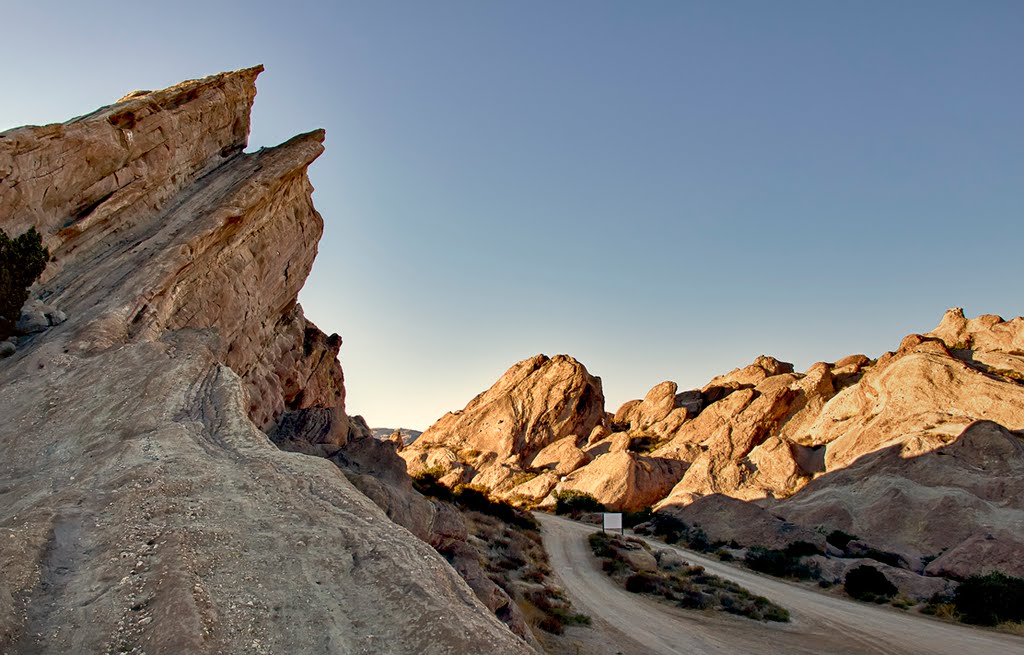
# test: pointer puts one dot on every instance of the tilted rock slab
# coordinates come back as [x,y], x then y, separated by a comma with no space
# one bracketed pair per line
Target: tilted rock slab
[142,506]
[536,403]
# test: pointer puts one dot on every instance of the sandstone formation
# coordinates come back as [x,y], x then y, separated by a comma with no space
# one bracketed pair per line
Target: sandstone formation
[142,505]
[918,453]
[536,403]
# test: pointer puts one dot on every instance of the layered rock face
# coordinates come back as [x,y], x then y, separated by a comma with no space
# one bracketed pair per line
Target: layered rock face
[536,403]
[142,506]
[918,453]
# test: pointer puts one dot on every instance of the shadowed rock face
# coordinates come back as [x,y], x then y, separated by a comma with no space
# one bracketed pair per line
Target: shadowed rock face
[142,506]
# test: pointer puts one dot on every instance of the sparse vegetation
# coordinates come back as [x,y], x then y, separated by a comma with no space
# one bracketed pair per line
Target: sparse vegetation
[644,443]
[575,503]
[784,563]
[1009,374]
[22,261]
[690,587]
[633,519]
[990,599]
[840,539]
[673,530]
[471,498]
[511,553]
[869,584]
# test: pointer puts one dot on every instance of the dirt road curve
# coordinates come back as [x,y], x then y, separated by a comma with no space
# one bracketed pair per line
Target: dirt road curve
[820,623]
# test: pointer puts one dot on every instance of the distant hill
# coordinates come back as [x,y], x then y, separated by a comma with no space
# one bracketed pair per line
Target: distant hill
[408,436]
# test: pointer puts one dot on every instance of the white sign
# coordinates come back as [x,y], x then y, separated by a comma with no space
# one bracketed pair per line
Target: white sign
[612,521]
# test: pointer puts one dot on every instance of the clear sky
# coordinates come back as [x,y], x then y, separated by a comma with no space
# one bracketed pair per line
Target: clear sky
[664,190]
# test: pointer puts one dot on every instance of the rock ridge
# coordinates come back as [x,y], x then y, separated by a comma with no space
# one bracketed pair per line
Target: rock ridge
[142,506]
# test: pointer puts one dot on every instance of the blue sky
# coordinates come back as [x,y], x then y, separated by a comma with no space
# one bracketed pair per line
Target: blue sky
[664,190]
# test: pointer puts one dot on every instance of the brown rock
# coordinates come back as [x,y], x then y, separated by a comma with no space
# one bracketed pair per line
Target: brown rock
[912,585]
[959,499]
[728,519]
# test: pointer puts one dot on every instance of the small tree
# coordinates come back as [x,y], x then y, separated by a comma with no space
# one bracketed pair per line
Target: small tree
[22,261]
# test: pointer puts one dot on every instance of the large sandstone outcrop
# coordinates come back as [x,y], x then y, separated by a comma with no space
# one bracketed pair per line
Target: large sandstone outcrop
[142,506]
[916,452]
[536,403]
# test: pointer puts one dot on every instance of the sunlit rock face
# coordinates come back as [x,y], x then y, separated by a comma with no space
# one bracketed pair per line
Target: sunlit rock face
[885,448]
[142,505]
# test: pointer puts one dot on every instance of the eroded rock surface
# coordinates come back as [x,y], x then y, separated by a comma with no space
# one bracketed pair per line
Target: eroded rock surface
[142,506]
[536,403]
[916,452]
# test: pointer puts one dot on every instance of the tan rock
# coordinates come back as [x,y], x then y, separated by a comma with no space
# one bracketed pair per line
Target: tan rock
[133,430]
[655,406]
[533,490]
[535,403]
[625,480]
[562,456]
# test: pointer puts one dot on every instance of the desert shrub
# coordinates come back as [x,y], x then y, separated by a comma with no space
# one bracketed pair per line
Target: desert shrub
[839,539]
[478,501]
[576,502]
[668,527]
[633,519]
[724,555]
[801,549]
[697,539]
[690,587]
[22,261]
[868,583]
[643,583]
[779,563]
[990,599]
[601,544]
[884,556]
[556,609]
[643,444]
[426,482]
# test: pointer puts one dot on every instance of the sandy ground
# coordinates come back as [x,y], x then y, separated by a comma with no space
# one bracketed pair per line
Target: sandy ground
[627,623]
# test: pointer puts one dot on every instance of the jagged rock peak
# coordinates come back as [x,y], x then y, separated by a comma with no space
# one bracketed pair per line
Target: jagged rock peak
[537,402]
[134,431]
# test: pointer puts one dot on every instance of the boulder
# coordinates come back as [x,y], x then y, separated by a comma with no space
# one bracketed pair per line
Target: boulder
[624,480]
[561,457]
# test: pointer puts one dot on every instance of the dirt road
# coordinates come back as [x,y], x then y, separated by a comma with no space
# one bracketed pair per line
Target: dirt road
[821,623]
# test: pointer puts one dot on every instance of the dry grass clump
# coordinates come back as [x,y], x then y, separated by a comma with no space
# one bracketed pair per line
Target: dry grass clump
[514,558]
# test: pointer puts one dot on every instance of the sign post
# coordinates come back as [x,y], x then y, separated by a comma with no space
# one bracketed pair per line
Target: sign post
[612,521]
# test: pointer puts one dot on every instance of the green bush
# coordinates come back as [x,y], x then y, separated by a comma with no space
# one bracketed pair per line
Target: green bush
[668,527]
[576,502]
[633,519]
[990,599]
[868,583]
[22,261]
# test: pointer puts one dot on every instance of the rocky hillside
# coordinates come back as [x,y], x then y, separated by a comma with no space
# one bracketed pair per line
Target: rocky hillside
[142,506]
[918,452]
